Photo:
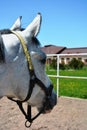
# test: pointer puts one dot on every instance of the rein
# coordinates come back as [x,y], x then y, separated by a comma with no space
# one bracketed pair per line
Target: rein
[33,80]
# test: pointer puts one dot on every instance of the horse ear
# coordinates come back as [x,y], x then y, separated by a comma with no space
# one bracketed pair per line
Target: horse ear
[17,24]
[34,28]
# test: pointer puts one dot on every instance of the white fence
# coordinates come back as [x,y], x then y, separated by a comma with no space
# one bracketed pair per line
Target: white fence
[60,76]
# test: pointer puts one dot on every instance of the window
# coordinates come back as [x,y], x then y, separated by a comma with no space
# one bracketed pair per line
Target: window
[80,59]
[85,60]
[62,60]
[68,59]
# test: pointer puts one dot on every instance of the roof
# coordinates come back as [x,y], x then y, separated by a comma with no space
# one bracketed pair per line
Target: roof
[74,50]
[52,49]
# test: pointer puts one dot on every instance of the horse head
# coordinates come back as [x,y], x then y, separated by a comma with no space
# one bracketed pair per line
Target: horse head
[15,76]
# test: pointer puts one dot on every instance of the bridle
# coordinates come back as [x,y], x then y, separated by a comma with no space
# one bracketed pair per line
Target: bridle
[33,80]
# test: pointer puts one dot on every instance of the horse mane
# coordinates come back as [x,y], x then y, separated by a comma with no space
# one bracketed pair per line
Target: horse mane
[5,31]
[35,41]
[2,53]
[8,31]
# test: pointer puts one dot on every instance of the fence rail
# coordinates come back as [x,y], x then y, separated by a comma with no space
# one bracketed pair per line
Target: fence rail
[58,76]
[67,77]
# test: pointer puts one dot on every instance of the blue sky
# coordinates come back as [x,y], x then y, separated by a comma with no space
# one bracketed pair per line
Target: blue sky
[64,22]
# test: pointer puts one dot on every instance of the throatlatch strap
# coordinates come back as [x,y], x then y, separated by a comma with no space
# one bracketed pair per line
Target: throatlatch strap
[32,83]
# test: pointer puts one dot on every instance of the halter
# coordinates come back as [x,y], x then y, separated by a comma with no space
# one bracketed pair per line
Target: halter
[33,80]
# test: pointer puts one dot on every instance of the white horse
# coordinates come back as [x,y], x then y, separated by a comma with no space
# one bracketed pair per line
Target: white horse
[14,73]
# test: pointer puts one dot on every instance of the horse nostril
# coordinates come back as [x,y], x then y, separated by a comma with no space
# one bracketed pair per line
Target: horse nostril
[54,99]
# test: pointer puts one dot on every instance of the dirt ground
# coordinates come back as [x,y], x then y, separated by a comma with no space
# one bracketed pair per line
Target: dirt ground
[68,114]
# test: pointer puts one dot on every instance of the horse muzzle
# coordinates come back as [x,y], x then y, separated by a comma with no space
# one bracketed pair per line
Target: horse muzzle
[49,104]
[50,100]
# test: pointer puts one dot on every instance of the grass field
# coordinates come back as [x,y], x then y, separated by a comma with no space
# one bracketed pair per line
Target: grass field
[71,87]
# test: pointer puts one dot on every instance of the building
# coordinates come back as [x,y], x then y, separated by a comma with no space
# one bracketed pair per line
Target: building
[69,51]
[51,49]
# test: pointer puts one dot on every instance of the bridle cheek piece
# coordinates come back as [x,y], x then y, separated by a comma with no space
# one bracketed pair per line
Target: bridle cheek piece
[33,80]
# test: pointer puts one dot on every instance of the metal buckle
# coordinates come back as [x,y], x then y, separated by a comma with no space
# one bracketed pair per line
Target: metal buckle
[28,124]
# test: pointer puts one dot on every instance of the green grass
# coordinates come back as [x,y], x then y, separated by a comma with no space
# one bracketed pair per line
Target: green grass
[71,87]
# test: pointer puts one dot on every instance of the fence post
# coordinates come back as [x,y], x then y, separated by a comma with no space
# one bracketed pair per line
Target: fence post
[57,75]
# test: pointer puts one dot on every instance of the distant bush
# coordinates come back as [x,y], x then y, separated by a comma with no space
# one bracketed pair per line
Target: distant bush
[73,64]
[53,64]
[76,64]
[62,66]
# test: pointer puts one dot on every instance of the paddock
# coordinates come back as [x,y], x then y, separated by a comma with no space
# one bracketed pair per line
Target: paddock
[57,76]
[68,114]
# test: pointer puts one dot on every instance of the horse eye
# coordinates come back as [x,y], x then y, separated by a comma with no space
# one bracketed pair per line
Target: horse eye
[43,61]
